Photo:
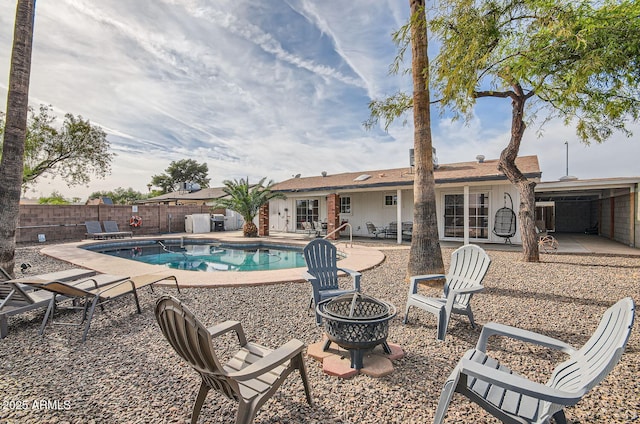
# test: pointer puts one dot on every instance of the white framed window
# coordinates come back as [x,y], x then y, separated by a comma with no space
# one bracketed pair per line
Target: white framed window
[307,210]
[390,199]
[345,205]
[478,215]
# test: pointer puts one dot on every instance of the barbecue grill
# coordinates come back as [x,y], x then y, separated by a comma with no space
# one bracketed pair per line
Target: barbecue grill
[217,222]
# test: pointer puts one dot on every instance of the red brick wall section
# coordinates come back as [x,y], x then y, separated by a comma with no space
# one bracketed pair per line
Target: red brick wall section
[66,222]
[263,221]
[333,215]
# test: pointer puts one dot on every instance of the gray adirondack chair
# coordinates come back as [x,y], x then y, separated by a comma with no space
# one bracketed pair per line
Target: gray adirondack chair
[250,377]
[515,399]
[469,265]
[323,272]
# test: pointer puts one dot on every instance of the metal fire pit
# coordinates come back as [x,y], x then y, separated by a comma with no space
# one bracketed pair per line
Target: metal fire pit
[356,322]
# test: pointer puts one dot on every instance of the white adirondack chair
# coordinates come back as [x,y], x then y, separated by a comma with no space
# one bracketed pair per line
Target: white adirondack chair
[515,399]
[469,265]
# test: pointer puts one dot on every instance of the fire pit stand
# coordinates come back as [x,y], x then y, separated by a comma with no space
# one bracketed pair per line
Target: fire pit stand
[357,323]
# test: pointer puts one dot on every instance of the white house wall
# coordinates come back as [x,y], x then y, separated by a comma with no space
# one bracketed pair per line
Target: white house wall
[368,206]
[282,212]
[281,215]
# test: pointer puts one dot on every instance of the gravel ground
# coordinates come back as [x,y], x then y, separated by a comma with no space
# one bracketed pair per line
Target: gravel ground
[127,373]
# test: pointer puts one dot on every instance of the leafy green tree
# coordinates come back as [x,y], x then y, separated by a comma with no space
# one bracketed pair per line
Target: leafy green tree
[74,151]
[55,198]
[13,140]
[182,171]
[120,196]
[246,200]
[577,61]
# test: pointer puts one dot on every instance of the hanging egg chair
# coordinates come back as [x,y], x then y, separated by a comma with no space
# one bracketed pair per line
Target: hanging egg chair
[505,221]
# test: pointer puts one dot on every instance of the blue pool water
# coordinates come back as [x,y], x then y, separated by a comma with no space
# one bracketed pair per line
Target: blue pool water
[212,257]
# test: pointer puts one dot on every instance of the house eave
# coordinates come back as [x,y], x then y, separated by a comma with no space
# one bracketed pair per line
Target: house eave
[401,184]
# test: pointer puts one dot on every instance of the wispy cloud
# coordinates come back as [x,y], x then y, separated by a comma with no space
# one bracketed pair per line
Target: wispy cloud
[267,88]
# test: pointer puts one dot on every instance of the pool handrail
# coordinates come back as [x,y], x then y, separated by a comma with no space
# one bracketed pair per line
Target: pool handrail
[340,228]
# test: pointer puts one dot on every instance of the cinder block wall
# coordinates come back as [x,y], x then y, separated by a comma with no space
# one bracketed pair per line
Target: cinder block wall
[615,218]
[66,222]
[622,218]
[573,216]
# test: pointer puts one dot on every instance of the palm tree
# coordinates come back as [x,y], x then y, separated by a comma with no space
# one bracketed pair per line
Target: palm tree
[247,200]
[425,256]
[11,163]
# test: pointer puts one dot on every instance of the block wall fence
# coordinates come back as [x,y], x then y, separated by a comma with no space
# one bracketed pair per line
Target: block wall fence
[66,222]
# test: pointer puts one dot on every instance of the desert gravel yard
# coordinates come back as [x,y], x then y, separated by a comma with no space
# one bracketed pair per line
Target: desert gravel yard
[127,373]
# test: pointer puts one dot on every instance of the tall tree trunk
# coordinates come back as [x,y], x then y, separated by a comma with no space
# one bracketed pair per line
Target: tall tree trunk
[507,165]
[11,165]
[425,256]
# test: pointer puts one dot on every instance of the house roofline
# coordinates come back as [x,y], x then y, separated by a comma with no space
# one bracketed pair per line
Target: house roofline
[403,183]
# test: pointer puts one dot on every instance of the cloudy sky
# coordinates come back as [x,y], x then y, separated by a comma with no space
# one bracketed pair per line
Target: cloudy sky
[269,88]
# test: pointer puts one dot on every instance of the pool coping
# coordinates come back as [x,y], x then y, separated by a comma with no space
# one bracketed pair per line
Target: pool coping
[358,258]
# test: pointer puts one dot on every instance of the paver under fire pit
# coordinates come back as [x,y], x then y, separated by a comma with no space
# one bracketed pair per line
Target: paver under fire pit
[357,323]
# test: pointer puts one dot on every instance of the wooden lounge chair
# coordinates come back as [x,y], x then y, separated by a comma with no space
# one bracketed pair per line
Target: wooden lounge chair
[322,272]
[513,398]
[98,296]
[111,229]
[469,265]
[250,377]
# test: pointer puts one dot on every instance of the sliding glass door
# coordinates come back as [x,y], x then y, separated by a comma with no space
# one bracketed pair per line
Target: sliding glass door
[478,215]
[307,210]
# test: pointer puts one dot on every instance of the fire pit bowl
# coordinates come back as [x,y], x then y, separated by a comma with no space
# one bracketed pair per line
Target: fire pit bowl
[356,322]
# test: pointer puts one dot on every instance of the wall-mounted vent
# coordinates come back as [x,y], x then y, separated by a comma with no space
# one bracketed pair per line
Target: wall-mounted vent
[362,177]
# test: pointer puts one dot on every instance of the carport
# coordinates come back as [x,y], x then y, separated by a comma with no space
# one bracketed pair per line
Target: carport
[606,207]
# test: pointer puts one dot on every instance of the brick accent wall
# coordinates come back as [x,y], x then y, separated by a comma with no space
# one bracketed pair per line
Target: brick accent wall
[66,222]
[263,221]
[333,215]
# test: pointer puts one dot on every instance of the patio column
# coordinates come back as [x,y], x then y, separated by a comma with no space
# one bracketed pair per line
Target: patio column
[399,216]
[263,220]
[333,215]
[466,215]
[632,217]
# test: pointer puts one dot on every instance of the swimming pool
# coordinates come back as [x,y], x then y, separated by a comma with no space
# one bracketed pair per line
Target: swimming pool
[205,255]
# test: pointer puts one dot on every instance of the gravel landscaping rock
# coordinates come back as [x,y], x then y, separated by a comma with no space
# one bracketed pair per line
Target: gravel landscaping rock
[126,372]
